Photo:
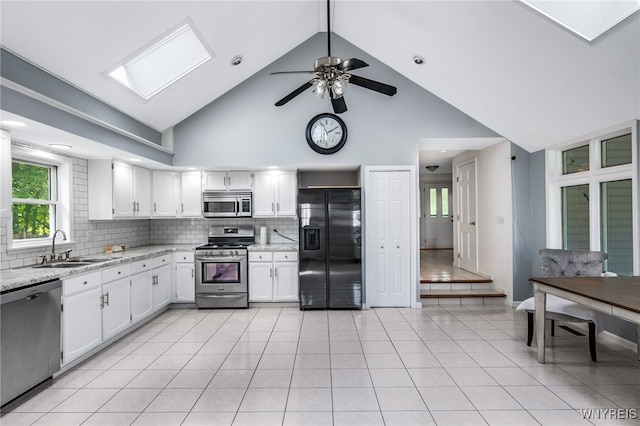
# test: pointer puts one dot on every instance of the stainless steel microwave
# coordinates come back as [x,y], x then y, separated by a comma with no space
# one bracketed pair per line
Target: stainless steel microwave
[226,204]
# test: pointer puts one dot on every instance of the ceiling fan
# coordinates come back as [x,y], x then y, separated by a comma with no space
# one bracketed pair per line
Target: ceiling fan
[332,75]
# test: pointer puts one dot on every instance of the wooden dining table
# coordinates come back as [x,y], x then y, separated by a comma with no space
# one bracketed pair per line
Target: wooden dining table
[616,296]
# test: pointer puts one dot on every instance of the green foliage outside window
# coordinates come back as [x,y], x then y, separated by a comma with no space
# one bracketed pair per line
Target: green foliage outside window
[31,219]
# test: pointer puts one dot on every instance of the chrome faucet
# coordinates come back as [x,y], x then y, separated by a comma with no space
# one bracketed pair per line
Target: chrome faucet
[53,242]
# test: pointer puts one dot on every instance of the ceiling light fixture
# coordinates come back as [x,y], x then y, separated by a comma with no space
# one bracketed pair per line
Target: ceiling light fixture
[236,60]
[329,78]
[12,123]
[418,60]
[432,168]
[60,146]
[135,160]
[162,62]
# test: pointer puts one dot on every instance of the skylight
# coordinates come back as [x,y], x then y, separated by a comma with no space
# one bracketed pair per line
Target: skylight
[588,19]
[162,62]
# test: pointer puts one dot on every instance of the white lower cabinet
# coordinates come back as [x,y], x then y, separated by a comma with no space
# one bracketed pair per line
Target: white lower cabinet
[273,276]
[81,315]
[185,291]
[162,281]
[116,313]
[141,290]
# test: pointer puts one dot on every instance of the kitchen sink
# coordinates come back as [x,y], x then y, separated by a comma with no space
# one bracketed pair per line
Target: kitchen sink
[76,262]
[65,264]
[94,259]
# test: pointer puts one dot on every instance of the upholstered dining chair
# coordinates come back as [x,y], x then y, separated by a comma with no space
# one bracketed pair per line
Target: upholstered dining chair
[568,263]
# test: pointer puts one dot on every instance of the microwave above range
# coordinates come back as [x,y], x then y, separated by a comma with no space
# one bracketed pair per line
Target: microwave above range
[226,204]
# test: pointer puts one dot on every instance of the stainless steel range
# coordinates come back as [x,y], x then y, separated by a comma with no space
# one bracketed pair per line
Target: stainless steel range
[221,268]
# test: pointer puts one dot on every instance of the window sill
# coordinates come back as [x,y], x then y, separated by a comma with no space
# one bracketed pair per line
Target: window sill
[25,248]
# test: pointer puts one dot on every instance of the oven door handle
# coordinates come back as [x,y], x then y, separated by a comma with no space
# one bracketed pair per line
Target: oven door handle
[216,296]
[218,259]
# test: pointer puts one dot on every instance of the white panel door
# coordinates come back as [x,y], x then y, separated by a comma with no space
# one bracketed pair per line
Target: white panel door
[81,324]
[263,194]
[214,181]
[286,282]
[142,191]
[162,288]
[437,223]
[260,282]
[185,283]
[467,241]
[388,239]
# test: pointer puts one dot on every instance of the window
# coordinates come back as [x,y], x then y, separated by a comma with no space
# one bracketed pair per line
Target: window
[592,195]
[40,197]
[438,202]
[33,200]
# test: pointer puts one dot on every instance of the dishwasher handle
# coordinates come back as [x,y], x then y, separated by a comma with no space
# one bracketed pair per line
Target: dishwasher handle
[33,296]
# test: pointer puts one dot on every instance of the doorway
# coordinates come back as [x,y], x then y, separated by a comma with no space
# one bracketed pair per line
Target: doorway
[436,227]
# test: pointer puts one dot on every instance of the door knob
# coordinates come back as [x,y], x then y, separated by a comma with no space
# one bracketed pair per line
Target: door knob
[472,223]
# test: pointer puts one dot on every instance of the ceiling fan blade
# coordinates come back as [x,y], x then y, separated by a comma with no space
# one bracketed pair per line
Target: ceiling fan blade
[294,94]
[373,85]
[352,64]
[339,105]
[292,72]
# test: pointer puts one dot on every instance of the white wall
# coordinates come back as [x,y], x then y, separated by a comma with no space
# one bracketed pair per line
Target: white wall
[493,189]
[243,128]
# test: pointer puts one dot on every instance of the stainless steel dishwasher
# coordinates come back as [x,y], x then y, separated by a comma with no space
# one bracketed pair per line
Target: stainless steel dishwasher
[30,337]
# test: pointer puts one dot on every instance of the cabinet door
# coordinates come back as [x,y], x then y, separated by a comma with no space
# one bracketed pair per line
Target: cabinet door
[122,189]
[214,181]
[142,191]
[141,296]
[263,194]
[116,312]
[185,284]
[286,193]
[81,324]
[239,180]
[260,282]
[162,287]
[165,194]
[191,194]
[286,281]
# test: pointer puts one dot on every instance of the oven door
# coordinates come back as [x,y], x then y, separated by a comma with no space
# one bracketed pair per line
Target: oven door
[219,274]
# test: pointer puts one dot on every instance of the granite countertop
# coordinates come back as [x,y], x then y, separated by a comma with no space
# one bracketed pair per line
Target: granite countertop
[273,247]
[12,279]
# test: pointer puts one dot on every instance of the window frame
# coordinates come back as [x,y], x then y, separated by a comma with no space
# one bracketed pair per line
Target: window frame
[593,177]
[63,193]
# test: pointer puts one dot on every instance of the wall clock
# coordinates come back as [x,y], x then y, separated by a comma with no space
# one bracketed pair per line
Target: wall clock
[326,133]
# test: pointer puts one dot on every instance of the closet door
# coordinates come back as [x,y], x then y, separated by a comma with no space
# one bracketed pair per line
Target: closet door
[388,216]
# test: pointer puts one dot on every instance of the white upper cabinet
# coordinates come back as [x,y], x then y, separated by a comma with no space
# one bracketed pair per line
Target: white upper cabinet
[191,194]
[165,193]
[227,181]
[118,190]
[275,193]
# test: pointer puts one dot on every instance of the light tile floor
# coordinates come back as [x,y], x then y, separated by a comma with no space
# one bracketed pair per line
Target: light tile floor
[282,366]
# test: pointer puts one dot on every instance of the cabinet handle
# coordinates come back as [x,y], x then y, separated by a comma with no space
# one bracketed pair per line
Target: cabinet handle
[119,272]
[271,272]
[106,299]
[192,273]
[276,272]
[102,301]
[229,180]
[278,207]
[133,206]
[154,207]
[182,207]
[85,282]
[273,207]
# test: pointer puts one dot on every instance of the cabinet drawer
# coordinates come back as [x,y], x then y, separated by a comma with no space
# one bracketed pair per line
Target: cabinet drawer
[141,266]
[184,256]
[260,256]
[116,273]
[162,260]
[81,283]
[285,256]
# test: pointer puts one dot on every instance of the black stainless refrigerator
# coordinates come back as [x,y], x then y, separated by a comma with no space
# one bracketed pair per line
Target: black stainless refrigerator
[330,248]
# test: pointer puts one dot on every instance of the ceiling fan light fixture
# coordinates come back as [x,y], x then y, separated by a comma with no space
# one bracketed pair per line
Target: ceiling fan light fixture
[432,168]
[338,87]
[319,87]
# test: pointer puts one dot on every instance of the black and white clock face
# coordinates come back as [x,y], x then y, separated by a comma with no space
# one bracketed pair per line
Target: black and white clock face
[326,133]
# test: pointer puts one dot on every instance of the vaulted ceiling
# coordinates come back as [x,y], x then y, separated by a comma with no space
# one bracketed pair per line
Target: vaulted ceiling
[500,62]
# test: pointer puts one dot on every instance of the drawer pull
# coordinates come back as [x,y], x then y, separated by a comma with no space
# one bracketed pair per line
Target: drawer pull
[85,282]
